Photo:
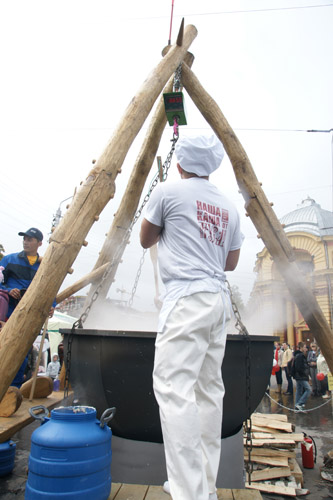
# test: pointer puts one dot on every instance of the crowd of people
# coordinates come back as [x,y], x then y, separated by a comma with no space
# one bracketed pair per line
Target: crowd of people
[307,366]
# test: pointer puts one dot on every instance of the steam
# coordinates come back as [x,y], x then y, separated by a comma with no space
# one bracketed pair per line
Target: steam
[107,316]
[267,318]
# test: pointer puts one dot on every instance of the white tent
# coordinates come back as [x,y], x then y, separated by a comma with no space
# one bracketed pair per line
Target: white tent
[58,320]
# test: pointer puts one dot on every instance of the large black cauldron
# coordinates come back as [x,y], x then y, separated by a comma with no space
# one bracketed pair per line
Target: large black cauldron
[114,368]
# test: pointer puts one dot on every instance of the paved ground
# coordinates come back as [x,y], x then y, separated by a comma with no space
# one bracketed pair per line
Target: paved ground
[317,422]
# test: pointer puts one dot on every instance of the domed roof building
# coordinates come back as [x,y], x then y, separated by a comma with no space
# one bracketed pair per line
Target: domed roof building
[310,232]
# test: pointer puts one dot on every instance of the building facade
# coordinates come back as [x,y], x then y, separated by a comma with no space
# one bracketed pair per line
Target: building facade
[310,232]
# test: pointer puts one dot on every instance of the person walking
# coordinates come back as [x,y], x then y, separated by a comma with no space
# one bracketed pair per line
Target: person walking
[312,362]
[198,233]
[302,370]
[277,368]
[286,357]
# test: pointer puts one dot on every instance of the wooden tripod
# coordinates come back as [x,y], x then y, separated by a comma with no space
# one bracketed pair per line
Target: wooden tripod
[99,187]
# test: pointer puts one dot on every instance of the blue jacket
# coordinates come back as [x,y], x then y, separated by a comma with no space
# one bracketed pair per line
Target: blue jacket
[18,273]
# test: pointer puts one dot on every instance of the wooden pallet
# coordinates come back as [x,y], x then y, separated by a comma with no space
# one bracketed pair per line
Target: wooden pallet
[142,492]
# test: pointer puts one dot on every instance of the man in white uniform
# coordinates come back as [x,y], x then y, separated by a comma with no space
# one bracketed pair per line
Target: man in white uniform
[199,237]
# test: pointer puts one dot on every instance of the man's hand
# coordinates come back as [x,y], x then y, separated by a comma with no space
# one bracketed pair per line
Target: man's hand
[15,293]
[51,312]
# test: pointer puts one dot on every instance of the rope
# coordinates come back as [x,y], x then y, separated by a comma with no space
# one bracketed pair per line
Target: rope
[169,41]
[293,409]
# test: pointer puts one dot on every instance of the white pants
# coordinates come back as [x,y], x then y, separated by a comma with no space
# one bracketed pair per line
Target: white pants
[189,390]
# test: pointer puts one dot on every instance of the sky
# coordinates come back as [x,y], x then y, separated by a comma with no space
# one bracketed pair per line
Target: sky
[70,69]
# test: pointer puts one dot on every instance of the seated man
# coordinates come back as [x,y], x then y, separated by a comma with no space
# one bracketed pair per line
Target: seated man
[18,272]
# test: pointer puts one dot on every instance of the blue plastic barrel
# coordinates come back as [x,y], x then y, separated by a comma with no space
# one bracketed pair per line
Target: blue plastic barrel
[70,456]
[7,457]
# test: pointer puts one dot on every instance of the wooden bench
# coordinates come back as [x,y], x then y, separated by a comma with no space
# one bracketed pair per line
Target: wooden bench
[10,425]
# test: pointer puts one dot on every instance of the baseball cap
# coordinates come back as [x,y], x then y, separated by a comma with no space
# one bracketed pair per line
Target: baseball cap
[33,232]
[200,155]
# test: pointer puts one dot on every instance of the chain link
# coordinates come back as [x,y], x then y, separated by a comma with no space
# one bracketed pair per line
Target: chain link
[130,300]
[177,78]
[248,423]
[239,324]
[70,338]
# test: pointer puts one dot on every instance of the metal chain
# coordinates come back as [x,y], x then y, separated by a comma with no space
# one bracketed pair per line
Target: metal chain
[248,423]
[138,274]
[239,324]
[165,169]
[177,78]
[69,357]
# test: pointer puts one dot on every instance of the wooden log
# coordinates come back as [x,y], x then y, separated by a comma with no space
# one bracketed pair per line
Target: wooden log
[263,216]
[272,452]
[43,387]
[279,443]
[117,238]
[269,416]
[297,437]
[27,319]
[272,488]
[260,428]
[81,283]
[272,424]
[11,402]
[270,473]
[273,461]
[296,471]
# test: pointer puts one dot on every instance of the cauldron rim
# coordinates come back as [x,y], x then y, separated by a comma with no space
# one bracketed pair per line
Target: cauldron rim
[150,334]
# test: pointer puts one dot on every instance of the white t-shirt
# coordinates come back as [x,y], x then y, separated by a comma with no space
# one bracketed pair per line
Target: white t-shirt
[201,226]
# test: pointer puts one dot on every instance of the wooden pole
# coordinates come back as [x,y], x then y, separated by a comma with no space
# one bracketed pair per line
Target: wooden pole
[81,283]
[263,216]
[65,243]
[34,376]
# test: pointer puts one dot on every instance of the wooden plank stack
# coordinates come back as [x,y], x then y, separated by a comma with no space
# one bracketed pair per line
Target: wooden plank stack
[275,469]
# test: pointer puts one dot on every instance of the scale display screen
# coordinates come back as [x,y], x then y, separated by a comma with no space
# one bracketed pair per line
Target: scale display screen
[173,102]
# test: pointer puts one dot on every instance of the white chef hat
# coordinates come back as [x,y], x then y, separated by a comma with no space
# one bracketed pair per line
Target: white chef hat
[200,155]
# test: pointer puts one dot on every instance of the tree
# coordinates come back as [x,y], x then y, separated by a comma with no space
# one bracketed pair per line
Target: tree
[2,251]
